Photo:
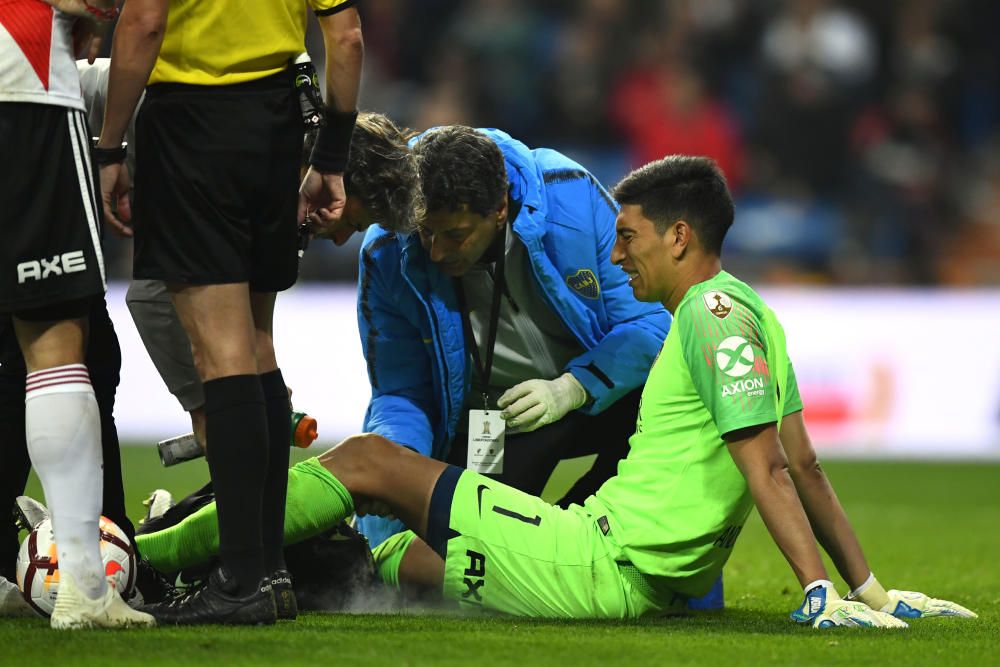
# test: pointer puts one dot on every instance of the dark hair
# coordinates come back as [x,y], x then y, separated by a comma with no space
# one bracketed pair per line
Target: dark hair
[459,165]
[682,187]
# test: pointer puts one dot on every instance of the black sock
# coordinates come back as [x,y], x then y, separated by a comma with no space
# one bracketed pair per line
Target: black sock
[279,426]
[236,434]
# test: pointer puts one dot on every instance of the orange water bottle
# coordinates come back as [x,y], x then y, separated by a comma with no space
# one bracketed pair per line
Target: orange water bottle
[304,431]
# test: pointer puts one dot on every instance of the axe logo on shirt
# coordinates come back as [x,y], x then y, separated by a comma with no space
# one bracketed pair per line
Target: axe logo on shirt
[584,283]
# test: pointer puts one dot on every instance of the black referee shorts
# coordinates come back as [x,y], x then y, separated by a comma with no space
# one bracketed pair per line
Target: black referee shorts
[49,219]
[216,187]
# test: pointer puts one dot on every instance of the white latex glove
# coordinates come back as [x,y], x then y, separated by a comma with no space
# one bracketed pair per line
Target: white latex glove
[535,403]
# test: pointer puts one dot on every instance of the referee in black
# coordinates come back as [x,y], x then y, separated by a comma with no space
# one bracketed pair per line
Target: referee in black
[219,139]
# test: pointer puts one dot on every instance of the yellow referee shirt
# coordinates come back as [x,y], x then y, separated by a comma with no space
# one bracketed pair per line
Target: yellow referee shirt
[221,42]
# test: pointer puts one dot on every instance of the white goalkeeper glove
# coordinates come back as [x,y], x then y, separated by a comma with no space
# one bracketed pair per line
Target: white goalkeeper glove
[823,608]
[535,403]
[906,604]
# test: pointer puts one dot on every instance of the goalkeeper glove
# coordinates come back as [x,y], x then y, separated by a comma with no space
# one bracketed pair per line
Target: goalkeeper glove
[823,608]
[905,604]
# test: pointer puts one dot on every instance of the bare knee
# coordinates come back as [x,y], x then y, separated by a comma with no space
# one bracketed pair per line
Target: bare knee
[379,473]
[225,359]
[218,322]
[359,462]
[362,445]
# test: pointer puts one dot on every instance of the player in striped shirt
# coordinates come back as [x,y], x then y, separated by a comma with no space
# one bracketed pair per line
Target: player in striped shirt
[51,271]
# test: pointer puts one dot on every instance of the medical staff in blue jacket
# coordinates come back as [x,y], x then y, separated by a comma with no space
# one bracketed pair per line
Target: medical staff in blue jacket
[504,299]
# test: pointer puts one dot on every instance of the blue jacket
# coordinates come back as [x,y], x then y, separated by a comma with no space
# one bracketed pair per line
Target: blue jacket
[411,326]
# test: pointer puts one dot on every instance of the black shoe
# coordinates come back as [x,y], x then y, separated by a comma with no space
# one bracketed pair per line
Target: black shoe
[151,585]
[217,603]
[284,595]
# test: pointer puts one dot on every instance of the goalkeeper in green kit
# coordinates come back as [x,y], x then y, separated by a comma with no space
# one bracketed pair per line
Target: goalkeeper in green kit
[720,429]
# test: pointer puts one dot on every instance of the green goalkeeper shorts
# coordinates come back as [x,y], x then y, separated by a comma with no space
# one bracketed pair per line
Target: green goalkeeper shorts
[512,552]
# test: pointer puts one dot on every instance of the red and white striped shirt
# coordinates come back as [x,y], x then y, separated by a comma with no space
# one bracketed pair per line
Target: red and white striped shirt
[36,55]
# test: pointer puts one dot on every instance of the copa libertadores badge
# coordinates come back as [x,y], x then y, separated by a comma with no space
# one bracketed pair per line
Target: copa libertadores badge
[718,303]
[734,356]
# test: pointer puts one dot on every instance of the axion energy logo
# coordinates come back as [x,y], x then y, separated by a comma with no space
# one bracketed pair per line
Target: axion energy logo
[734,356]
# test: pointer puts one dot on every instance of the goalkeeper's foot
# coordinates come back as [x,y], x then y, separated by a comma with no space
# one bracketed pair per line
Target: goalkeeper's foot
[823,608]
[910,604]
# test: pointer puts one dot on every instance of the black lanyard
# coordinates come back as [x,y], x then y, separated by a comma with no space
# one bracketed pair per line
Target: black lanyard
[484,369]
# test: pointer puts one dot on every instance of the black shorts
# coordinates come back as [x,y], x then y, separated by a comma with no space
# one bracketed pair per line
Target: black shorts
[216,184]
[49,218]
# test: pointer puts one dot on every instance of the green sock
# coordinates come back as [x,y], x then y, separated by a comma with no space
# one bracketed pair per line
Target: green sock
[316,502]
[389,555]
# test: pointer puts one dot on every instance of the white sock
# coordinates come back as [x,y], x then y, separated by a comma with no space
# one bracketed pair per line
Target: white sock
[63,428]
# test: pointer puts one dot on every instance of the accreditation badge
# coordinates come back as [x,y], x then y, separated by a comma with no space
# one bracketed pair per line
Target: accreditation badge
[486,434]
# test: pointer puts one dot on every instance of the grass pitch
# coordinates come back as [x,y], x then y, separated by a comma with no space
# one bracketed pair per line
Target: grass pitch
[931,527]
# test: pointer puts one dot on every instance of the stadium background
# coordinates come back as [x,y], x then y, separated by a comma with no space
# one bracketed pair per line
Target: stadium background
[884,271]
[861,139]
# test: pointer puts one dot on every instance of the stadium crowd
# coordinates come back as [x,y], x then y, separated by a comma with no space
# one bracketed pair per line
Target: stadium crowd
[806,105]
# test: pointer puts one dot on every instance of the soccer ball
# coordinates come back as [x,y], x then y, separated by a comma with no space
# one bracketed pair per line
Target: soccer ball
[38,564]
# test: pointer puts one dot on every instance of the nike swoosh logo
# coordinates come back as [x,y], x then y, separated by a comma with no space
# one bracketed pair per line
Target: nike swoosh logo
[479,496]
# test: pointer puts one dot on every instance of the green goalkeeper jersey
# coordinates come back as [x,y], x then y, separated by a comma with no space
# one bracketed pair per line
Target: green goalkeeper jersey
[678,501]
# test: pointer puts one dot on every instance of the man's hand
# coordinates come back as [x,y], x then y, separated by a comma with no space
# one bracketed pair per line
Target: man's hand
[910,604]
[95,10]
[823,608]
[322,198]
[87,39]
[535,403]
[115,184]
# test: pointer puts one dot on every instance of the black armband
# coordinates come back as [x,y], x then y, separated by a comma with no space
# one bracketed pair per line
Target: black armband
[333,143]
[103,156]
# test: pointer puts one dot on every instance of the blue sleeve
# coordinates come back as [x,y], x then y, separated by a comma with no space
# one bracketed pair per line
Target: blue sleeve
[378,529]
[620,362]
[402,406]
